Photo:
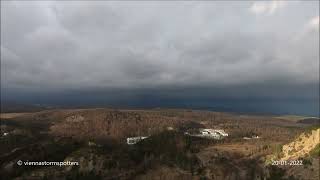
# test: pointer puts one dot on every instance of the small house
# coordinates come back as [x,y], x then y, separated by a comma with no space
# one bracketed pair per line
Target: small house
[134,140]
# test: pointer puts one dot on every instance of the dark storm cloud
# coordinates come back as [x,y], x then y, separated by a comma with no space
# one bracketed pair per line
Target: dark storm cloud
[252,48]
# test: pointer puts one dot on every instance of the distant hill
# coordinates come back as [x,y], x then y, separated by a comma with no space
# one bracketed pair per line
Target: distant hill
[13,107]
[310,121]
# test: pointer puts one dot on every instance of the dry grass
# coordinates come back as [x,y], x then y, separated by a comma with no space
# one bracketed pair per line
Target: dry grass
[12,115]
[293,118]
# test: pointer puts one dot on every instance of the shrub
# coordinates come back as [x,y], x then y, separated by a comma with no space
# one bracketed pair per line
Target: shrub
[315,152]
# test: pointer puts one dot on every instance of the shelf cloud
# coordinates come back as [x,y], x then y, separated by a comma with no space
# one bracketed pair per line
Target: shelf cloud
[101,45]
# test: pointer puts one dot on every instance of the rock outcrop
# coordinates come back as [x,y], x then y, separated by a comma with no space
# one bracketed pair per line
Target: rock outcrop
[302,145]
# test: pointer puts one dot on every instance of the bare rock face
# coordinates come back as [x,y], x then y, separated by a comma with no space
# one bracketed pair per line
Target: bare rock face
[75,118]
[302,145]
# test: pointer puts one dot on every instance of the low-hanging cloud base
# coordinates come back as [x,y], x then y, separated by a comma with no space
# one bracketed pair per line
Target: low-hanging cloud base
[238,56]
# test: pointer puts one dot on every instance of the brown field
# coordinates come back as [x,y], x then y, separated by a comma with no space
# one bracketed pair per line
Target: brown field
[12,115]
[97,139]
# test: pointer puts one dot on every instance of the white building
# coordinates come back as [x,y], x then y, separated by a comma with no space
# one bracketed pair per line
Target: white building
[252,137]
[246,138]
[134,140]
[211,133]
[219,132]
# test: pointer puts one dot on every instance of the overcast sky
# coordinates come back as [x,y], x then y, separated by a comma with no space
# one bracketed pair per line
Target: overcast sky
[77,45]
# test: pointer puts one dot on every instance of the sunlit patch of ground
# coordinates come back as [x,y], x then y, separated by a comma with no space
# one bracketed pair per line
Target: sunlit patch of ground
[294,118]
[12,115]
